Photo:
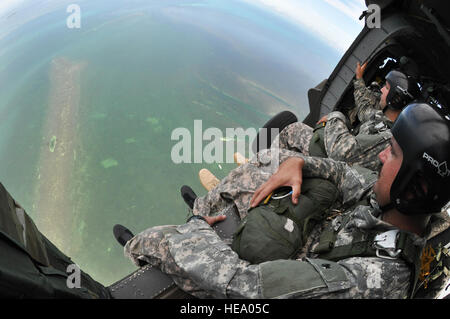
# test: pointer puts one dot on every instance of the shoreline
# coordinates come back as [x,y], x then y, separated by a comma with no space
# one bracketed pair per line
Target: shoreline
[53,201]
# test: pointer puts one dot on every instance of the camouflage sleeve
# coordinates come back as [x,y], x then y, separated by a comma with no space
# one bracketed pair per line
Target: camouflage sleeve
[204,266]
[340,143]
[337,138]
[350,183]
[351,278]
[365,101]
[375,278]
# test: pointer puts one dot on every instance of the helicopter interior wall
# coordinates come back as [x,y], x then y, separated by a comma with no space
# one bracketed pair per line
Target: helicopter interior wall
[400,34]
[368,43]
[412,53]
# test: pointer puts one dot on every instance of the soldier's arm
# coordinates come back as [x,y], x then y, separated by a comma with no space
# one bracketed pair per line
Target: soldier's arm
[339,142]
[325,168]
[350,183]
[365,101]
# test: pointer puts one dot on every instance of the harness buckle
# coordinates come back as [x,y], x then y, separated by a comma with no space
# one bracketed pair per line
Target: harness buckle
[386,243]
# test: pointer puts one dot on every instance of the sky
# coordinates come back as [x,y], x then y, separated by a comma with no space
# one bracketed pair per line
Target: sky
[6,5]
[335,22]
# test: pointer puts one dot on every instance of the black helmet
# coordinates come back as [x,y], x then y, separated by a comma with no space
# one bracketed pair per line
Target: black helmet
[422,185]
[403,90]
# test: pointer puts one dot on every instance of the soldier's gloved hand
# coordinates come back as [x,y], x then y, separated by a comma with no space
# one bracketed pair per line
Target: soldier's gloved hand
[289,174]
[359,72]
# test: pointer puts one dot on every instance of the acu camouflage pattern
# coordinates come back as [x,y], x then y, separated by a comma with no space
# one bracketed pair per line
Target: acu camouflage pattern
[360,147]
[240,184]
[394,276]
[206,267]
[295,137]
[196,259]
[368,112]
[365,99]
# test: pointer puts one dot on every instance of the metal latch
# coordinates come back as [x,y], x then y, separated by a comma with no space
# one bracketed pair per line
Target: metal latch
[386,243]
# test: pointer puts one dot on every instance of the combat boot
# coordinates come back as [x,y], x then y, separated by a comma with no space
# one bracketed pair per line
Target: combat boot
[122,234]
[240,159]
[188,195]
[208,180]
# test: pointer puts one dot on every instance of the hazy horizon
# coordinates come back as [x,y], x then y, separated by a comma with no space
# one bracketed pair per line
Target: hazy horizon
[87,114]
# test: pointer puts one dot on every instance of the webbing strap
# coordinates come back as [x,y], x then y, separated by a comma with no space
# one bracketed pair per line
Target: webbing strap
[328,237]
[355,249]
[410,253]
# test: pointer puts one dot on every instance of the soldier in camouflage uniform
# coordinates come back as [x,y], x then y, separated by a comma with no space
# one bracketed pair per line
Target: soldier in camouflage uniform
[204,266]
[340,144]
[238,187]
[172,247]
[355,147]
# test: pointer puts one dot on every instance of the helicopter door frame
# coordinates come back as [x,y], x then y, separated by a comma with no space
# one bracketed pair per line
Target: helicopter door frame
[324,98]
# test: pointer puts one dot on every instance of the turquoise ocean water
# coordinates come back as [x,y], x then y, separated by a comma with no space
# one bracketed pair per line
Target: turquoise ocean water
[143,69]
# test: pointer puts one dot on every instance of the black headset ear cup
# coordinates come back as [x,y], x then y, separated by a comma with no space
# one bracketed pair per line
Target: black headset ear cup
[400,98]
[393,97]
[397,97]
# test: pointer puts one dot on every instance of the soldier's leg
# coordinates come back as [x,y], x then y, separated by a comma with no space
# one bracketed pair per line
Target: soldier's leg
[152,247]
[295,137]
[240,184]
[237,187]
[193,255]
